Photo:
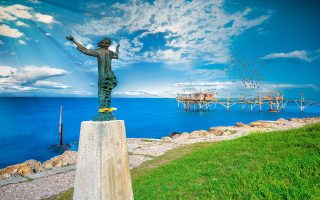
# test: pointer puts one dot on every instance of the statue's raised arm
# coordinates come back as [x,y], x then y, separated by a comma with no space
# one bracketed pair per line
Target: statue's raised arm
[116,54]
[81,48]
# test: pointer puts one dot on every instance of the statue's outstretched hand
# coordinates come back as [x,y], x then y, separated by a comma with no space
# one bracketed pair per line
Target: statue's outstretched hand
[69,37]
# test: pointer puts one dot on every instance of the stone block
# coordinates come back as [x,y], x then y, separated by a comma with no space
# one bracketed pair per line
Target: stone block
[102,171]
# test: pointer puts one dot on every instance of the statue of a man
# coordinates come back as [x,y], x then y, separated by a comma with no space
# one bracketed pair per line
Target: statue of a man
[107,80]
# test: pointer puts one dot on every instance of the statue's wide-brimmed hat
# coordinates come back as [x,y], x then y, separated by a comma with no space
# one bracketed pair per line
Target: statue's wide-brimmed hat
[104,42]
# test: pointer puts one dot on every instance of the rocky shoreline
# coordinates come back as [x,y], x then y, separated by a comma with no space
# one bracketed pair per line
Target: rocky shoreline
[139,149]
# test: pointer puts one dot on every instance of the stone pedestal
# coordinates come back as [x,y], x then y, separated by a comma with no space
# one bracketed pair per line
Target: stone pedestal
[102,171]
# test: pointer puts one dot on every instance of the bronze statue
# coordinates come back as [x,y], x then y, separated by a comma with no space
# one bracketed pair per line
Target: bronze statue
[107,79]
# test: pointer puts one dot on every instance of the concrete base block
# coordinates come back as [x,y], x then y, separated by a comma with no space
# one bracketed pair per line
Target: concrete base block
[102,171]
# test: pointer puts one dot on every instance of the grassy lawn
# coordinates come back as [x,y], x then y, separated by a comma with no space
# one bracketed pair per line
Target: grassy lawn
[277,165]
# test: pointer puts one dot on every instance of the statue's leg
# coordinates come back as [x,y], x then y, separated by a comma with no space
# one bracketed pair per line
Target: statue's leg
[108,100]
[111,83]
[105,87]
[102,96]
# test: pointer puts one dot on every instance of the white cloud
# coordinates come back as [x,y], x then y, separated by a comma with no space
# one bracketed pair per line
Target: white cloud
[44,18]
[193,29]
[29,78]
[50,84]
[15,88]
[169,55]
[15,13]
[22,42]
[6,15]
[69,44]
[20,23]
[10,32]
[89,46]
[300,55]
[31,74]
[6,71]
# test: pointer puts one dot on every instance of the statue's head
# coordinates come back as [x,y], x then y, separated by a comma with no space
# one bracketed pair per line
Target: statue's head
[105,43]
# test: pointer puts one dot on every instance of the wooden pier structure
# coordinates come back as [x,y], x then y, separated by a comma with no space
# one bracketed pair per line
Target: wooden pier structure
[202,101]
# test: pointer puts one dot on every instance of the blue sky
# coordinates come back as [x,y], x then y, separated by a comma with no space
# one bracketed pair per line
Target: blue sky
[164,45]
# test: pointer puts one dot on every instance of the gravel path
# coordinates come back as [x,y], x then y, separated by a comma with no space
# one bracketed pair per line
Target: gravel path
[52,184]
[38,188]
[140,150]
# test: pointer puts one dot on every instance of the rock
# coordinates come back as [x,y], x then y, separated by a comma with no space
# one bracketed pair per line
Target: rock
[308,120]
[67,158]
[229,132]
[218,131]
[198,134]
[174,134]
[183,136]
[27,167]
[239,124]
[282,120]
[166,138]
[57,148]
[261,124]
[294,120]
[226,133]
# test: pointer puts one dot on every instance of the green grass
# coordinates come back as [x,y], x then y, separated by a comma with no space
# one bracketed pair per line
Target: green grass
[170,156]
[277,165]
[67,195]
[147,166]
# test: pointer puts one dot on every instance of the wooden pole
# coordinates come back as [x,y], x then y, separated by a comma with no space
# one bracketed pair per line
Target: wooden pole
[60,127]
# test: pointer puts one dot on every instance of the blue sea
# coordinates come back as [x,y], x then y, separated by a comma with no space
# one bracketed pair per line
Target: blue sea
[29,126]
